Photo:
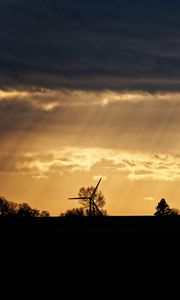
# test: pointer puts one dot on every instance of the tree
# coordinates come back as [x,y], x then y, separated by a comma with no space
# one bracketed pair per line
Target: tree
[98,199]
[44,213]
[84,210]
[26,211]
[74,212]
[8,208]
[162,209]
[174,212]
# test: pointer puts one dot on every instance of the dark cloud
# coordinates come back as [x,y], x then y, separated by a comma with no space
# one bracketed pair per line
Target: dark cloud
[90,44]
[147,125]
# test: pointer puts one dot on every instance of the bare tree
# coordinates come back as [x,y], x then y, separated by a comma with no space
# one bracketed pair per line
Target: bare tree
[8,208]
[98,199]
[26,211]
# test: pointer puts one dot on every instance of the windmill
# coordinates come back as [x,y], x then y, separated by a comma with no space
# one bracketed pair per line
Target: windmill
[92,205]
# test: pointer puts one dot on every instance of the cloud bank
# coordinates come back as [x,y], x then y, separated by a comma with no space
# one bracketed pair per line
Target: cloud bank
[129,165]
[90,45]
[127,120]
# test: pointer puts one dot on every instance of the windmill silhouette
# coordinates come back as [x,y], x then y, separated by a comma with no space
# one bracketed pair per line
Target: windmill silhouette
[93,208]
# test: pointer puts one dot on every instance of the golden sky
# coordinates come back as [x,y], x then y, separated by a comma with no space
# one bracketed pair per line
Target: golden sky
[55,141]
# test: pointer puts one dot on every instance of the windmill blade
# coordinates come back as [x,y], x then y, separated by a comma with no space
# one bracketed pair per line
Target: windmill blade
[79,198]
[96,188]
[96,207]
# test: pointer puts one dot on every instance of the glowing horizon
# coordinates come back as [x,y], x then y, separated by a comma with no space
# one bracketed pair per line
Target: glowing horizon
[34,152]
[89,89]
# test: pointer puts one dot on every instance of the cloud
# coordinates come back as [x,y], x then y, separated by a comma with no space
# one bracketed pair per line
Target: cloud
[80,118]
[64,160]
[70,160]
[149,198]
[91,46]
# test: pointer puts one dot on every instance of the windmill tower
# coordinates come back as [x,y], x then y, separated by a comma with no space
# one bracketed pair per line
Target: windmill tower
[93,208]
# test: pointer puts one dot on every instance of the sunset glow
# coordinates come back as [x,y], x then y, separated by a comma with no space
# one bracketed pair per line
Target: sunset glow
[90,91]
[128,140]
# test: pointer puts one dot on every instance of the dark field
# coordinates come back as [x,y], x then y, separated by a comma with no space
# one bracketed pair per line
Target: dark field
[113,257]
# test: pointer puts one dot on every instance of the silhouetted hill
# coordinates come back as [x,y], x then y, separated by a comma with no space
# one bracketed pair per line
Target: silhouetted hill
[123,257]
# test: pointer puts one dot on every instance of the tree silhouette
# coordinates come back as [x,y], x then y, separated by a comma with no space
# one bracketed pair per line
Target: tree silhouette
[26,211]
[10,208]
[162,209]
[96,210]
[98,198]
[44,213]
[174,212]
[74,212]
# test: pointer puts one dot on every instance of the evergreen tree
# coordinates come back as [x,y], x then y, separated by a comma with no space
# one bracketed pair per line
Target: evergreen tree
[162,209]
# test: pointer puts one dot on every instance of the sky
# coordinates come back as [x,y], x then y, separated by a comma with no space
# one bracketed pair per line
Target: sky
[90,89]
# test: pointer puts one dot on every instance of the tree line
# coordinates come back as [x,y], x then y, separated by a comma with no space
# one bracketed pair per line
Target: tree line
[10,208]
[162,209]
